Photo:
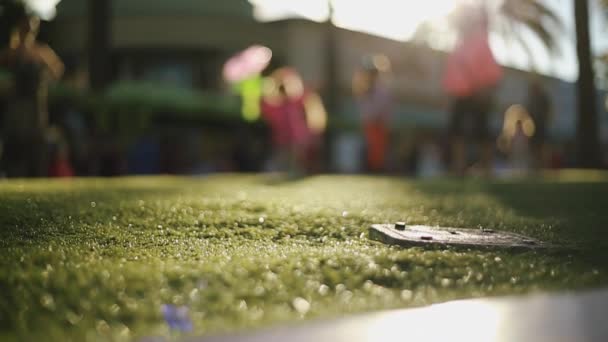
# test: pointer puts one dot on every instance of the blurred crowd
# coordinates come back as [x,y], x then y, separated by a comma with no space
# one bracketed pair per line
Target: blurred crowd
[293,138]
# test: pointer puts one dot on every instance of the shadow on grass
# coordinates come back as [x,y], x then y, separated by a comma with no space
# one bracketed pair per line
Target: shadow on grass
[572,200]
[571,214]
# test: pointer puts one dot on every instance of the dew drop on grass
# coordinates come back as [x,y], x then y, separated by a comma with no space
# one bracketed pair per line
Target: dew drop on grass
[242,305]
[259,290]
[323,290]
[102,327]
[47,301]
[202,284]
[406,295]
[73,318]
[194,294]
[301,305]
[114,309]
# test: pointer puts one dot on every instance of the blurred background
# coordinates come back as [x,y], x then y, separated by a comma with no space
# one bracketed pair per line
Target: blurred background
[470,87]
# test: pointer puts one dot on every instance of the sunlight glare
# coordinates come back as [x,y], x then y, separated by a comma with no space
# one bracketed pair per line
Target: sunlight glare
[389,18]
[392,19]
[270,10]
[445,322]
[43,8]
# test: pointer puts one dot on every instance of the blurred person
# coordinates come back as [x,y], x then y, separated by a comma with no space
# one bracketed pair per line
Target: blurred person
[297,119]
[539,107]
[375,106]
[520,149]
[470,78]
[33,65]
[283,109]
[515,140]
[316,122]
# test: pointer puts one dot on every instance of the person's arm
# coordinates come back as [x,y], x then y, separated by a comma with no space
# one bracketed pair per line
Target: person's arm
[316,116]
[52,61]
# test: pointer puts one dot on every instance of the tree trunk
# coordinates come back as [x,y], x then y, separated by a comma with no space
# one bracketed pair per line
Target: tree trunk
[587,126]
[99,44]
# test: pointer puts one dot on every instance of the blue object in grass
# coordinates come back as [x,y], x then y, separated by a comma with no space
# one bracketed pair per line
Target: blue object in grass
[177,317]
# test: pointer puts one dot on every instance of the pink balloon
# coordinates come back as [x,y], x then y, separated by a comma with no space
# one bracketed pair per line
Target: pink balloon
[247,63]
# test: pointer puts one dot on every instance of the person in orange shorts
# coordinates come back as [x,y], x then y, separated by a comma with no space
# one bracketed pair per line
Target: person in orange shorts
[375,105]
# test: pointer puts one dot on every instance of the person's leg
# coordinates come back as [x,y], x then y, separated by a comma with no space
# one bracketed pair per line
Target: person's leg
[377,137]
[370,139]
[540,150]
[456,134]
[459,158]
[381,145]
[482,107]
[487,157]
[283,155]
[39,159]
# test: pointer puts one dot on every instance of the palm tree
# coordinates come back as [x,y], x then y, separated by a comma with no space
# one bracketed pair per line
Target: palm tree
[587,128]
[531,15]
[514,16]
[509,18]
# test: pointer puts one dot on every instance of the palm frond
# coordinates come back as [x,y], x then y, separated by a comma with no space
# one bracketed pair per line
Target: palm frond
[537,18]
[511,19]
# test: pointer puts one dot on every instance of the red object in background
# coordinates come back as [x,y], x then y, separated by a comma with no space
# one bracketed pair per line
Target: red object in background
[287,120]
[471,67]
[61,168]
[376,135]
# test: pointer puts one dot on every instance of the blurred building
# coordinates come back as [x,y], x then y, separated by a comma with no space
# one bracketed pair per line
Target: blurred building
[185,42]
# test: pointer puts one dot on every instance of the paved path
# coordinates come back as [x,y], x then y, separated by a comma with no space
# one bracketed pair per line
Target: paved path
[557,317]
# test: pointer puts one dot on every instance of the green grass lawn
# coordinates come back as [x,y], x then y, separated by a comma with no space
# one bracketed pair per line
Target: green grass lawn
[84,259]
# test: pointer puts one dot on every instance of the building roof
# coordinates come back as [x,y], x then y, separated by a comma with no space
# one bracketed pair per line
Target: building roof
[233,8]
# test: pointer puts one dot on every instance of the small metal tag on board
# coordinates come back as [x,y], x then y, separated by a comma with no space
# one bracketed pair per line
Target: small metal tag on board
[421,236]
